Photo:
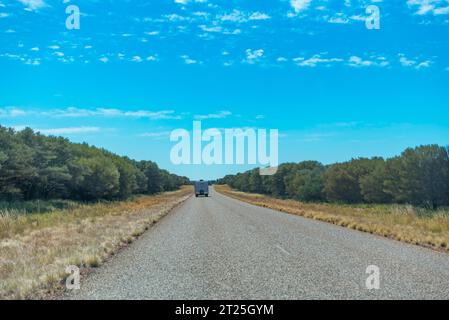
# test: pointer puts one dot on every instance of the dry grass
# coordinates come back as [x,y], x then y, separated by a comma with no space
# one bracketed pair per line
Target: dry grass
[36,248]
[399,222]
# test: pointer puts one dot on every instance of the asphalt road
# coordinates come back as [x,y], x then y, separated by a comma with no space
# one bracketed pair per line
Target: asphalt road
[220,248]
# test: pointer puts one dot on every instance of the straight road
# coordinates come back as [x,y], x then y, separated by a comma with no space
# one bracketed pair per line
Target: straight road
[221,248]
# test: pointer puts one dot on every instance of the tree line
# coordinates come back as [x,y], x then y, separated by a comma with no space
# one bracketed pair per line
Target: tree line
[34,166]
[419,176]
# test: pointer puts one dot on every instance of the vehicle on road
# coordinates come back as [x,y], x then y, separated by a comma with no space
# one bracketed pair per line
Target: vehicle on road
[201,188]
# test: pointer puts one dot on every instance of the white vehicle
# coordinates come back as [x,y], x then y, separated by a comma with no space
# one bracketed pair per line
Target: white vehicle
[201,188]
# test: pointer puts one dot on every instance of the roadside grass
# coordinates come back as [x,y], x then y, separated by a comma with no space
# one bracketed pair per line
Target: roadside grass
[35,206]
[400,222]
[35,249]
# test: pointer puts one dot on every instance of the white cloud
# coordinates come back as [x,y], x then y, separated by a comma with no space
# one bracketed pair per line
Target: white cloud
[69,130]
[338,18]
[184,2]
[136,59]
[154,115]
[315,60]
[12,112]
[434,7]
[358,18]
[259,16]
[60,131]
[253,55]
[104,59]
[175,17]
[219,115]
[315,137]
[406,62]
[152,33]
[439,11]
[210,29]
[73,112]
[33,4]
[33,62]
[242,17]
[188,60]
[156,135]
[300,5]
[234,16]
[424,64]
[355,61]
[22,58]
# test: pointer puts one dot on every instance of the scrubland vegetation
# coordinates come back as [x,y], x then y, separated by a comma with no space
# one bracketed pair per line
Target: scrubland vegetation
[404,198]
[63,203]
[33,166]
[418,177]
[35,248]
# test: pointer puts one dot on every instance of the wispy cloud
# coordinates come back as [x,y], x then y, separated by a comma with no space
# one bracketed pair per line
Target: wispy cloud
[253,56]
[219,115]
[242,17]
[32,5]
[434,7]
[11,112]
[60,131]
[316,137]
[355,61]
[316,60]
[105,112]
[188,60]
[300,5]
[161,135]
[414,63]
[72,112]
[69,130]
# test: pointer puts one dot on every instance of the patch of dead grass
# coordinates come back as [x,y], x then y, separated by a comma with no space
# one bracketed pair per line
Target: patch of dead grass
[35,249]
[399,222]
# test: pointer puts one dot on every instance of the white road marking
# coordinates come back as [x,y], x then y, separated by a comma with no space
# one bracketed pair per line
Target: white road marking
[282,249]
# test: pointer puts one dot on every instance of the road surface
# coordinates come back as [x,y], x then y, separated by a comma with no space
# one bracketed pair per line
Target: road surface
[221,248]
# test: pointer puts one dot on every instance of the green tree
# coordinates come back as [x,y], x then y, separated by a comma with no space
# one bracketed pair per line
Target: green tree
[255,181]
[420,176]
[128,177]
[100,178]
[343,181]
[153,176]
[308,184]
[372,185]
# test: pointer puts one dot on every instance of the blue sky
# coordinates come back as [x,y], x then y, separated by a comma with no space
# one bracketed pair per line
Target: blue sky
[136,70]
